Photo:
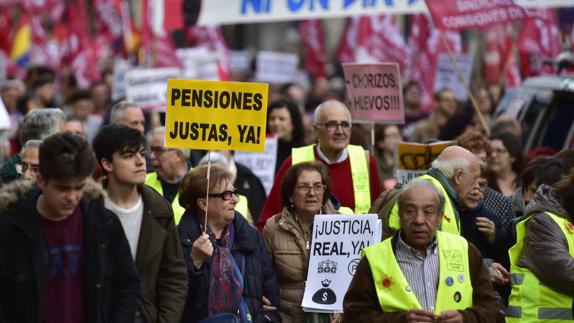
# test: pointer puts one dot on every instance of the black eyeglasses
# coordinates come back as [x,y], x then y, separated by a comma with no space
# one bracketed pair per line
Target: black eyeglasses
[225,195]
[333,125]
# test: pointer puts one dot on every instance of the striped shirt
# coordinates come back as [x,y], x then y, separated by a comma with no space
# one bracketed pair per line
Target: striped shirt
[421,272]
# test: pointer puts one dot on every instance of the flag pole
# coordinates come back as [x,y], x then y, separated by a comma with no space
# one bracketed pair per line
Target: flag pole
[474,104]
[207,194]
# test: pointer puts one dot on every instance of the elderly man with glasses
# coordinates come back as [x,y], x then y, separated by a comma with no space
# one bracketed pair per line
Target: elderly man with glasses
[352,170]
[169,165]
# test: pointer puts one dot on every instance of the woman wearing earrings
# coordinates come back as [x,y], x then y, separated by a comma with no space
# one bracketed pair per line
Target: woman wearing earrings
[305,191]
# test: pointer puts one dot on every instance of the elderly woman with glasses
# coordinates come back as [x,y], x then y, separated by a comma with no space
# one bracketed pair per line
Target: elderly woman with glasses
[230,276]
[305,191]
[29,166]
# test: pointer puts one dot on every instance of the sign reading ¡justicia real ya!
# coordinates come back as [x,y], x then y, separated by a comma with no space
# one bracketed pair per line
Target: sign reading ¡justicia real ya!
[336,244]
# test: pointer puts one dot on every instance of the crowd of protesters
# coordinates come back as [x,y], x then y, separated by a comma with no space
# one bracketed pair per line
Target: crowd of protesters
[100,222]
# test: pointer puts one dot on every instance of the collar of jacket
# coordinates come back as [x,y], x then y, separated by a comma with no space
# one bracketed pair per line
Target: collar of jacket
[452,194]
[245,235]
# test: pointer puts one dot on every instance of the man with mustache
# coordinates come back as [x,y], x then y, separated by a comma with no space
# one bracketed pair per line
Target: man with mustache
[353,171]
[421,274]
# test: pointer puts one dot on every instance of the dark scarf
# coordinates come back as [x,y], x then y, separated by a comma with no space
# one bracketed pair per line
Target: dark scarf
[226,281]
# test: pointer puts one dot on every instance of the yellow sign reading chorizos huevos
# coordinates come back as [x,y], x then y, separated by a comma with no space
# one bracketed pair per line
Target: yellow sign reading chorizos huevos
[216,115]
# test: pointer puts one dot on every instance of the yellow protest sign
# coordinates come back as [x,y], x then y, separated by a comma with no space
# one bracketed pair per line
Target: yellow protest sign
[414,159]
[214,115]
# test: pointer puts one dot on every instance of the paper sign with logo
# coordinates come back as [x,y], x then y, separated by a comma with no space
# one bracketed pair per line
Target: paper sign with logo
[374,93]
[216,115]
[413,159]
[198,63]
[335,253]
[273,67]
[121,68]
[147,87]
[261,164]
[446,76]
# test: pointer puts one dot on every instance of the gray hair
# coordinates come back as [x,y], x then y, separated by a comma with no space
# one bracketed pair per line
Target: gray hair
[448,166]
[161,131]
[33,143]
[320,107]
[10,84]
[420,183]
[117,114]
[41,123]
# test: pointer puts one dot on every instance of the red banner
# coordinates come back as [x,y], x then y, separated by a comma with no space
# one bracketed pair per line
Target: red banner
[464,14]
[311,34]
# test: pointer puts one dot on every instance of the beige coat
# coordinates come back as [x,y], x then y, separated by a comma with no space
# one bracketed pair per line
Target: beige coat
[289,251]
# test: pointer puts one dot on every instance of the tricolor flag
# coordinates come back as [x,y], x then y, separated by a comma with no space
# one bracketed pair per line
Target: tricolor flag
[21,45]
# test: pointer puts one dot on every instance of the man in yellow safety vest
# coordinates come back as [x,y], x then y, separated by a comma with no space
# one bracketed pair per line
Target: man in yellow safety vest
[169,165]
[353,171]
[421,274]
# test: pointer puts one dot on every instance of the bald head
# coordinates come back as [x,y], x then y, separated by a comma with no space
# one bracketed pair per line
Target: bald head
[460,167]
[325,109]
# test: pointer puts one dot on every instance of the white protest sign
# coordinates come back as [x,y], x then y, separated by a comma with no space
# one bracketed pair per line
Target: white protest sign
[148,87]
[446,76]
[335,253]
[4,116]
[121,68]
[274,67]
[261,164]
[222,12]
[239,60]
[198,63]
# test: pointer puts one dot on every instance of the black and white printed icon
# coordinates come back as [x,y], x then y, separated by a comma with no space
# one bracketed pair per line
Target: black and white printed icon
[325,295]
[327,266]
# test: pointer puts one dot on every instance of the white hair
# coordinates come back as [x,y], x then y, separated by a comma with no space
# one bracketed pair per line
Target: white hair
[448,166]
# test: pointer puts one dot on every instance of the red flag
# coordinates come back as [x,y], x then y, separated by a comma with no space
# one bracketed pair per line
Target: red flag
[539,44]
[173,17]
[373,39]
[500,55]
[381,39]
[211,38]
[346,51]
[426,46]
[311,34]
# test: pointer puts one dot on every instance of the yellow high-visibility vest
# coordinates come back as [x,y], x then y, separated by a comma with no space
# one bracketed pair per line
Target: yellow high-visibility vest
[359,173]
[531,300]
[152,180]
[450,222]
[393,290]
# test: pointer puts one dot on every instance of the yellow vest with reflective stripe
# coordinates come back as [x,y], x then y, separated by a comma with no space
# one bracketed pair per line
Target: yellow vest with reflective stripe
[152,180]
[393,290]
[531,300]
[449,221]
[359,173]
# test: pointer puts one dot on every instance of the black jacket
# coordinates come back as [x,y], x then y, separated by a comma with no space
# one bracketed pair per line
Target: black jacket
[250,186]
[111,284]
[259,277]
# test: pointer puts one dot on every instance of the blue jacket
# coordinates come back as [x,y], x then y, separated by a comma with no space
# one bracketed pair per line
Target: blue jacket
[259,277]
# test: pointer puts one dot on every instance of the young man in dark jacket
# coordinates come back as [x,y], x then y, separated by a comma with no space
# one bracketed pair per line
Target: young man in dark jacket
[63,256]
[148,222]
